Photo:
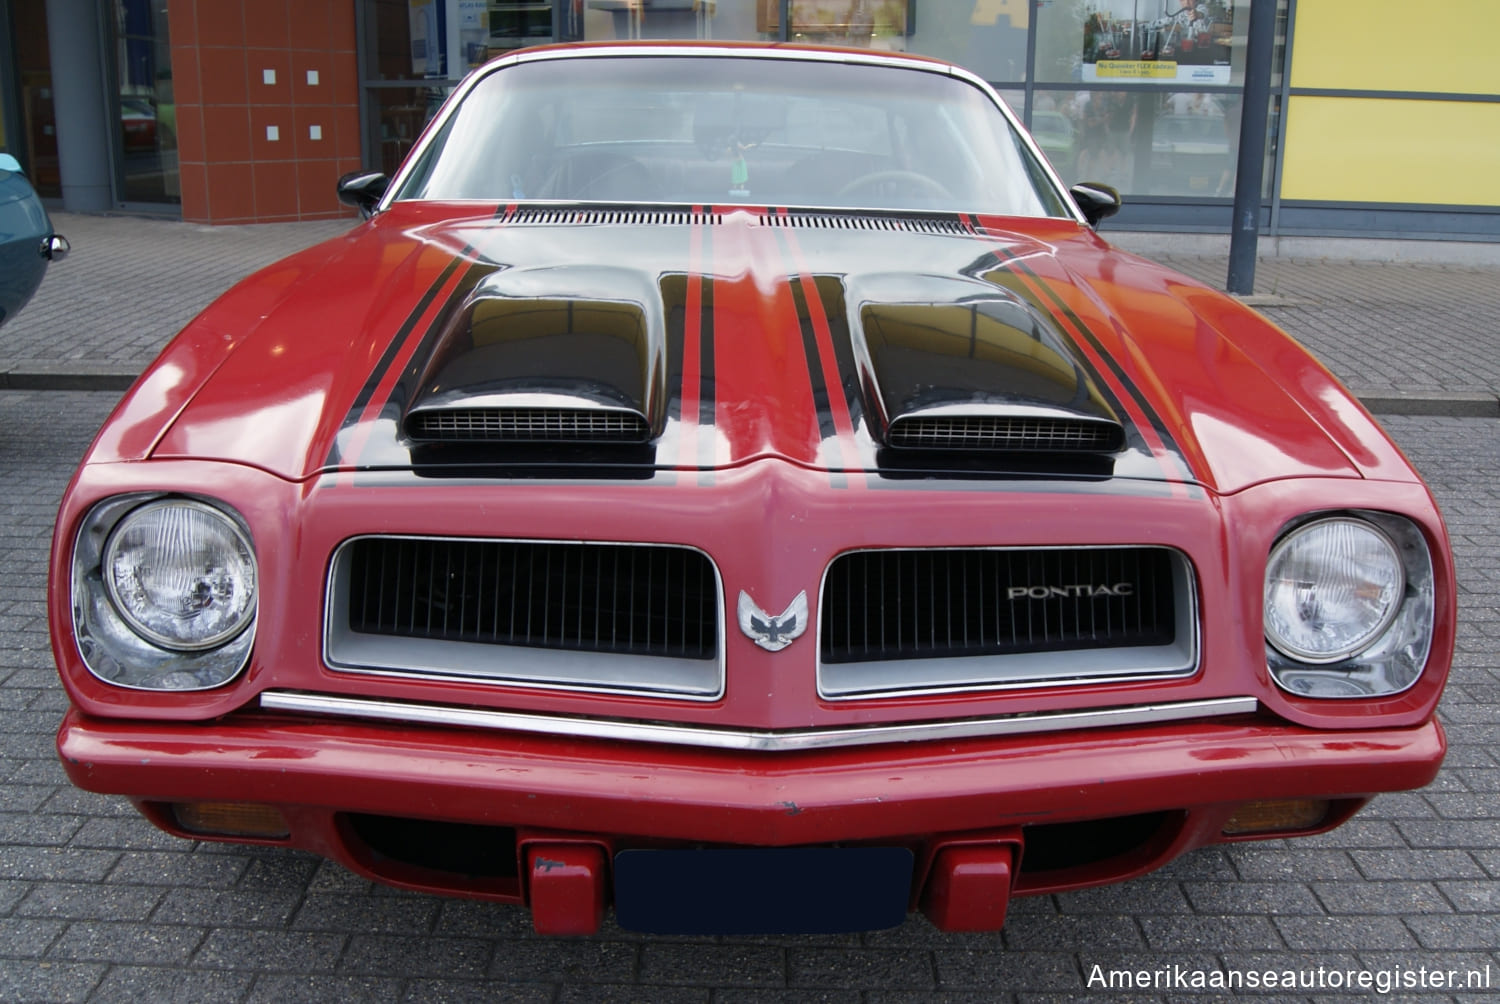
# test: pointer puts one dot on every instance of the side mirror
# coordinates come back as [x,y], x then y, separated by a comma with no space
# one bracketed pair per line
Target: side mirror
[1096,201]
[56,247]
[9,163]
[363,190]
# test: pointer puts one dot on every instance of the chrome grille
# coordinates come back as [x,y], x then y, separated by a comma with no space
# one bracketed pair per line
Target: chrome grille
[902,620]
[528,425]
[635,617]
[1005,433]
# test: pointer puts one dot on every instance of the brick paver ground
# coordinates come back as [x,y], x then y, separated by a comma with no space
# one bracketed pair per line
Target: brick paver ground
[96,905]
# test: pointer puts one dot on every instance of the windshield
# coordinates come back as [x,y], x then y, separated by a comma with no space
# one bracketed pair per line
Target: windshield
[732,130]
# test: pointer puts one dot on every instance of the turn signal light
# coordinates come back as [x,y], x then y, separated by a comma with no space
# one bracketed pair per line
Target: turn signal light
[1277,815]
[231,819]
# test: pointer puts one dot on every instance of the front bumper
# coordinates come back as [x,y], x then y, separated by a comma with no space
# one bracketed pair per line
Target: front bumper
[659,792]
[540,817]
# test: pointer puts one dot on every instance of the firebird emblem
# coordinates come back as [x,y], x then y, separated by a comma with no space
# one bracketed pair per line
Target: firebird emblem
[773,633]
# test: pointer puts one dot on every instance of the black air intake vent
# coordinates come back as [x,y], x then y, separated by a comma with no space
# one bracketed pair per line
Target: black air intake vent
[624,599]
[946,226]
[629,217]
[527,425]
[945,604]
[1000,433]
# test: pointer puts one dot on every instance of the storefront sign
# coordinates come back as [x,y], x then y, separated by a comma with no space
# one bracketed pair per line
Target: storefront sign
[1165,41]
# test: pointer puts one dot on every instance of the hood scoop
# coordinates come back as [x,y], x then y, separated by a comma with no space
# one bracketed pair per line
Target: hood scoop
[573,354]
[954,364]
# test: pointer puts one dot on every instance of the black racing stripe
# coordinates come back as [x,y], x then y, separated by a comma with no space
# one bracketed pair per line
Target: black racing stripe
[706,346]
[675,304]
[378,374]
[1169,442]
[988,266]
[406,383]
[1003,260]
[830,294]
[705,437]
[821,403]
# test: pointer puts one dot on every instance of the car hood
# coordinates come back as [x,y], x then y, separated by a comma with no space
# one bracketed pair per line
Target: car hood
[713,339]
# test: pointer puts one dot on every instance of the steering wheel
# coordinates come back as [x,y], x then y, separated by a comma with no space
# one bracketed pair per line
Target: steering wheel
[598,176]
[895,182]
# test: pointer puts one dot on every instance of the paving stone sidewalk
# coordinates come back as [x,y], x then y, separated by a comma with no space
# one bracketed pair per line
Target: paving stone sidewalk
[97,906]
[1408,338]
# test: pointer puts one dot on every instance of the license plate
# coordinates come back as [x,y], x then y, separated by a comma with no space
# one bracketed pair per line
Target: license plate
[775,890]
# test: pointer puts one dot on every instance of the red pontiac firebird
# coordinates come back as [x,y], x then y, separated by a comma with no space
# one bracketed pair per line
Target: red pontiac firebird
[737,486]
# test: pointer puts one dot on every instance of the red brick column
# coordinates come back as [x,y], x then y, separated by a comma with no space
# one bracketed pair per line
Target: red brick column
[267,107]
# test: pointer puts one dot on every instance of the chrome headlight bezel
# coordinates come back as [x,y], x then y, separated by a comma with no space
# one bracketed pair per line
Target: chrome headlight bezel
[120,650]
[1387,658]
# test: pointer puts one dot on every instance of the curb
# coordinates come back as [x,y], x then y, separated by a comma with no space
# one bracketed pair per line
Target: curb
[85,377]
[1427,404]
[1442,404]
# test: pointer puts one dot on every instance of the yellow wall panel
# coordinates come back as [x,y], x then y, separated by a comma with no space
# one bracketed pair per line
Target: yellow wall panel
[1368,150]
[1397,45]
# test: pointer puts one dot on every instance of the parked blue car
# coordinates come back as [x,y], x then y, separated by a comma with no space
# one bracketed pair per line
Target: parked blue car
[27,242]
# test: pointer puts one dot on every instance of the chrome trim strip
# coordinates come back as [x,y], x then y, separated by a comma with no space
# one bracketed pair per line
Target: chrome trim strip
[751,740]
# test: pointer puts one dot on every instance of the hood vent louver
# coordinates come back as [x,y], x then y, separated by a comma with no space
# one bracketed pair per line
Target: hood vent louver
[945,226]
[1006,434]
[528,425]
[617,217]
[949,365]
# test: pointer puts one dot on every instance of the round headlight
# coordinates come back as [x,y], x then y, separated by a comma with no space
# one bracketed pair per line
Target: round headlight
[1332,588]
[181,574]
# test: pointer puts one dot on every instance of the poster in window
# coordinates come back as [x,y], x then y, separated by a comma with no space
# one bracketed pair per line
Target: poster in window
[1166,41]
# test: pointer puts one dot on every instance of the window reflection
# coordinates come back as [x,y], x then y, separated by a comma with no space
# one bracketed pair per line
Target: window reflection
[397,117]
[986,37]
[147,109]
[867,24]
[1142,142]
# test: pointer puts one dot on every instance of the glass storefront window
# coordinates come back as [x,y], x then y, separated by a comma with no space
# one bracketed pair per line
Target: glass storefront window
[986,37]
[38,125]
[867,24]
[427,39]
[397,116]
[601,20]
[1147,100]
[147,111]
[1179,144]
[1142,42]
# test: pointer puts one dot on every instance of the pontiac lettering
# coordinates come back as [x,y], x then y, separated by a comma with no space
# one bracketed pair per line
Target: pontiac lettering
[1080,591]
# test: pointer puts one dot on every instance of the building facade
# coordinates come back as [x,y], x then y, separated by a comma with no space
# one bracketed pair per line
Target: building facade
[1385,114]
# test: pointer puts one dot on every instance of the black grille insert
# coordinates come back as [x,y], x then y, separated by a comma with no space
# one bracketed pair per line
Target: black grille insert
[528,425]
[628,599]
[882,605]
[1006,433]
